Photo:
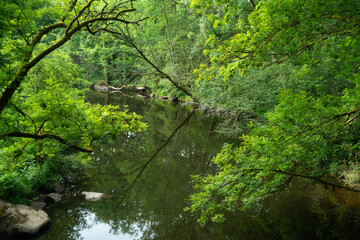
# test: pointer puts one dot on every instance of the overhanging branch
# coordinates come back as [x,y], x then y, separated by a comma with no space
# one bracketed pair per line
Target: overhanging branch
[308,45]
[44,136]
[300,175]
[317,179]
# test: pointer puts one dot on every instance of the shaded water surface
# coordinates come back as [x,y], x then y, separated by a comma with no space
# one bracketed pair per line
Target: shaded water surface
[145,178]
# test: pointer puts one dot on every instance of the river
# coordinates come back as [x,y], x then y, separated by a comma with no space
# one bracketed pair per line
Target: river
[145,178]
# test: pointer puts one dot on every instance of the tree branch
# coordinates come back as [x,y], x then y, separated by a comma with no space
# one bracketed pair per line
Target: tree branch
[46,30]
[300,50]
[71,7]
[294,174]
[69,32]
[143,56]
[252,3]
[25,115]
[317,180]
[44,136]
[78,15]
[157,151]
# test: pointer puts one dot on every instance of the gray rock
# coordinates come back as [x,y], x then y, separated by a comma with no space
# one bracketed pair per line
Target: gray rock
[92,196]
[21,220]
[50,198]
[55,196]
[38,205]
[45,199]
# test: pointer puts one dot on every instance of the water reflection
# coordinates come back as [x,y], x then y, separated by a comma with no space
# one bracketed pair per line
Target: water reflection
[144,176]
[99,230]
[146,180]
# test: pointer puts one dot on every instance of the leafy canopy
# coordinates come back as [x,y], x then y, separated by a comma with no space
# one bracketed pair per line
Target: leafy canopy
[313,131]
[43,113]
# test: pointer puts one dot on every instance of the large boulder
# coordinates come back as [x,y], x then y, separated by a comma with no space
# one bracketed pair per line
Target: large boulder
[21,220]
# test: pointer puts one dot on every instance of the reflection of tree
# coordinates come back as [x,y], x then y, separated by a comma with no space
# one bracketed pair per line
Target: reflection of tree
[142,168]
[149,198]
[67,225]
[145,178]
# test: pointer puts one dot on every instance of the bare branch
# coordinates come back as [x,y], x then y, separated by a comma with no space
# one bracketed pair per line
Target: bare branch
[156,152]
[78,15]
[330,120]
[103,9]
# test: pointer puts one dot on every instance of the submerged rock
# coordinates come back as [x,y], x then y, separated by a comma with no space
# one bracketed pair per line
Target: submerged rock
[21,220]
[92,196]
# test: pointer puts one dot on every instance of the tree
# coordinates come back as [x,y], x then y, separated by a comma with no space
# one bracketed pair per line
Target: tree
[160,52]
[248,46]
[105,58]
[166,46]
[41,90]
[311,134]
[93,18]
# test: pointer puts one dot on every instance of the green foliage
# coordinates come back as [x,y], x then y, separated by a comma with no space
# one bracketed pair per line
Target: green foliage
[305,137]
[292,62]
[308,51]
[104,57]
[21,184]
[44,116]
[173,48]
[173,41]
[316,40]
[50,103]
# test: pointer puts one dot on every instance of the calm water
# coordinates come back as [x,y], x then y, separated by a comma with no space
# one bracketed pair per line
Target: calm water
[145,178]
